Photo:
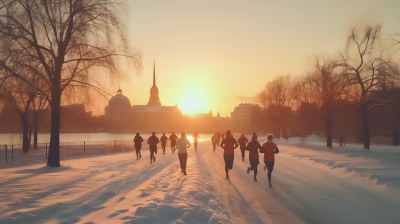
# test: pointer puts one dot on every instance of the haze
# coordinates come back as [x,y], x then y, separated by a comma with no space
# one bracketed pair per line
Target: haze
[221,53]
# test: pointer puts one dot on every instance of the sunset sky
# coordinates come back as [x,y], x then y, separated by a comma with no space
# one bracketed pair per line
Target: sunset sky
[221,53]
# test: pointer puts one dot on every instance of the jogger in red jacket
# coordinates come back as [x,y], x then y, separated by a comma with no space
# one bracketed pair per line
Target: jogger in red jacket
[229,144]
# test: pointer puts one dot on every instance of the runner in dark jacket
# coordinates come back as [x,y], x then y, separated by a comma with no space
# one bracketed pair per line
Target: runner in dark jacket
[229,144]
[218,137]
[163,141]
[173,139]
[195,140]
[253,148]
[153,141]
[138,145]
[243,142]
[214,141]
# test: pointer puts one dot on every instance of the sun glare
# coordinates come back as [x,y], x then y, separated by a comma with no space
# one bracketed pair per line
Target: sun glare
[192,101]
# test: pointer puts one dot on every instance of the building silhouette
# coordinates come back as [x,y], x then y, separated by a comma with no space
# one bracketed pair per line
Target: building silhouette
[154,98]
[120,115]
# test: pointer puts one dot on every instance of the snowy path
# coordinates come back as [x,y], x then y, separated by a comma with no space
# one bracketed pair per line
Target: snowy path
[117,188]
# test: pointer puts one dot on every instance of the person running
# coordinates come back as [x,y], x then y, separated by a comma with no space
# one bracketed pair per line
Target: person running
[163,141]
[173,139]
[138,145]
[223,136]
[218,137]
[270,149]
[153,141]
[243,142]
[195,140]
[182,144]
[228,144]
[253,148]
[214,141]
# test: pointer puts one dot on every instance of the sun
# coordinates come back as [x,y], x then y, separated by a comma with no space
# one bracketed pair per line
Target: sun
[192,101]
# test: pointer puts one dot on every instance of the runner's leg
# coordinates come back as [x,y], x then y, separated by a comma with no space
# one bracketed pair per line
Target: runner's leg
[226,164]
[184,158]
[270,167]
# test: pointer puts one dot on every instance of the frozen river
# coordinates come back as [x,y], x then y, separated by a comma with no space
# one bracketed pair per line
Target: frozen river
[16,138]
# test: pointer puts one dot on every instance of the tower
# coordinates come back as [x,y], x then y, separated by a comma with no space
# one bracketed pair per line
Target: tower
[154,98]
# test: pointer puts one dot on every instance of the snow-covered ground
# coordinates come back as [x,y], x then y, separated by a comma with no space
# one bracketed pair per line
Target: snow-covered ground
[311,184]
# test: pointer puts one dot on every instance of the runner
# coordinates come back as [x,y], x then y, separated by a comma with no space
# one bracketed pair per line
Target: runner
[270,149]
[243,142]
[163,141]
[253,148]
[153,141]
[138,145]
[173,139]
[229,144]
[218,137]
[214,141]
[195,140]
[181,145]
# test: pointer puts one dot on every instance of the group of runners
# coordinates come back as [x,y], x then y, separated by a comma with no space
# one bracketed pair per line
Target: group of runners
[229,144]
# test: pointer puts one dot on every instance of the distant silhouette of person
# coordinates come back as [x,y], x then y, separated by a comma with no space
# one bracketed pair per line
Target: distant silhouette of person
[222,136]
[270,149]
[182,144]
[138,145]
[173,139]
[219,137]
[214,141]
[153,141]
[229,144]
[195,140]
[253,148]
[163,141]
[243,142]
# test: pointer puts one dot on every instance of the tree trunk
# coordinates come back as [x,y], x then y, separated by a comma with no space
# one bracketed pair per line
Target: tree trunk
[396,138]
[53,159]
[366,134]
[328,126]
[25,133]
[35,132]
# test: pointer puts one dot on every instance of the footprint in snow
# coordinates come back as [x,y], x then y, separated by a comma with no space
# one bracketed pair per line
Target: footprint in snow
[117,213]
[144,194]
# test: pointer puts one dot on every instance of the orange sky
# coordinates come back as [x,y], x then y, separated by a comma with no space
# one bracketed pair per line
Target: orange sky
[221,53]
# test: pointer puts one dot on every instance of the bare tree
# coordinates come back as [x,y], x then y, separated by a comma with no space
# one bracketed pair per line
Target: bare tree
[75,42]
[278,97]
[364,66]
[39,106]
[16,93]
[324,91]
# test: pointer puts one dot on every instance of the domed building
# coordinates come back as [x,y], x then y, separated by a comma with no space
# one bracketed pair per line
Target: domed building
[118,104]
[119,101]
[121,115]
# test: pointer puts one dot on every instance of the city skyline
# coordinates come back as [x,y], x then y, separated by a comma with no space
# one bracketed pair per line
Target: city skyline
[203,46]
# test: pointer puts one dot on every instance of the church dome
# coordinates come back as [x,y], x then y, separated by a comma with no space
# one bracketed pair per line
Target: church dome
[119,101]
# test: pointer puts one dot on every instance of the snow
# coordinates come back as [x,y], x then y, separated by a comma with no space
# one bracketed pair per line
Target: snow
[311,184]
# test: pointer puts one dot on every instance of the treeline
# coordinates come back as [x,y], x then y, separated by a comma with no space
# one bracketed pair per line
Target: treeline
[52,52]
[355,93]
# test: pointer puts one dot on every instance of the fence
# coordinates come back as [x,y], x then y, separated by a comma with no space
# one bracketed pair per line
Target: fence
[14,153]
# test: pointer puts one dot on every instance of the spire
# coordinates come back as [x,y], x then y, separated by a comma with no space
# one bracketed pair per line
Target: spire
[218,114]
[154,98]
[154,71]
